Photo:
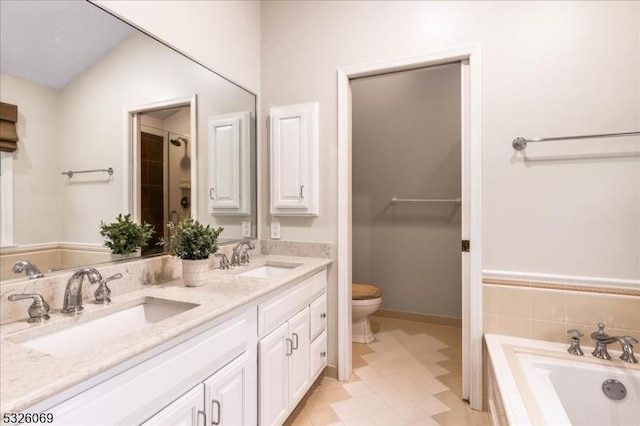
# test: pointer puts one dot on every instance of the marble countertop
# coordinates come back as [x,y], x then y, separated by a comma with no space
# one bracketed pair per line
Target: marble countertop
[29,376]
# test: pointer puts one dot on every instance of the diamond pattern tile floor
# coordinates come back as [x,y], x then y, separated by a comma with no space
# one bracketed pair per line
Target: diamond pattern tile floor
[410,375]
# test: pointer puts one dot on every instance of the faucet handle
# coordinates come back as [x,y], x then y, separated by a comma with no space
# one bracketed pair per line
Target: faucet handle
[224,260]
[39,309]
[627,343]
[575,335]
[103,292]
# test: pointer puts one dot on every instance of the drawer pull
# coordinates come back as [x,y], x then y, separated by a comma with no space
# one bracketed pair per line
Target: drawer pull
[218,411]
[323,315]
[289,347]
[295,341]
[204,416]
[323,354]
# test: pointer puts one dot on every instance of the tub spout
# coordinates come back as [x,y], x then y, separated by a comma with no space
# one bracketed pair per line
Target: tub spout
[601,340]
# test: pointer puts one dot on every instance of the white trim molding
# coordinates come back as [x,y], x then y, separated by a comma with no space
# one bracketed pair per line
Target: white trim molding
[6,200]
[470,58]
[574,280]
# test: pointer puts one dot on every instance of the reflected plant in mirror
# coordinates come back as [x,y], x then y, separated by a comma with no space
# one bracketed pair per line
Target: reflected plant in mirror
[72,68]
[125,237]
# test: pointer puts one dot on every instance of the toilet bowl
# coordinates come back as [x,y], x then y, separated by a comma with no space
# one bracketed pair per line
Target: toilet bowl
[365,300]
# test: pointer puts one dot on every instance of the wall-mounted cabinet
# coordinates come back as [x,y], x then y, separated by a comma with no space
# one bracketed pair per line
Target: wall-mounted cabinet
[229,164]
[294,160]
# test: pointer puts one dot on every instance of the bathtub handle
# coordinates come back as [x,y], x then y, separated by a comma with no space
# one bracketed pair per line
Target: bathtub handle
[627,343]
[575,335]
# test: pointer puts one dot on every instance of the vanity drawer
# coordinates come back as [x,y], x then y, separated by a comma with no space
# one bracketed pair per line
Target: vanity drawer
[318,313]
[279,309]
[318,354]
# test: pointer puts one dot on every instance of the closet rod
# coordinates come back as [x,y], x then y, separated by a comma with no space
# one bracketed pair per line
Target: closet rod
[520,143]
[395,200]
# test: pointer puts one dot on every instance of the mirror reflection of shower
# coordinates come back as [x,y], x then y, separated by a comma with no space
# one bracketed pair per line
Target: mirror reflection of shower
[165,167]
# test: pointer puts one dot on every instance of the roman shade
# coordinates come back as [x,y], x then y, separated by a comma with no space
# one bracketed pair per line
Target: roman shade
[8,133]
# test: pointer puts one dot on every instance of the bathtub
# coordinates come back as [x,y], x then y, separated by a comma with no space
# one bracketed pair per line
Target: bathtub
[533,382]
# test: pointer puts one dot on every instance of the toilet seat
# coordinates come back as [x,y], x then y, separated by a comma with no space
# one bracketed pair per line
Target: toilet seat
[365,292]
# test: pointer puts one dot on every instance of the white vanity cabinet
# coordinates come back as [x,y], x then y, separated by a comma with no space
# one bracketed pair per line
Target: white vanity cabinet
[294,160]
[289,357]
[210,376]
[222,399]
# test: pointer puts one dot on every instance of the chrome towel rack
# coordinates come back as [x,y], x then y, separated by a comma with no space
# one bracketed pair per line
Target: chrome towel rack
[520,143]
[395,200]
[70,173]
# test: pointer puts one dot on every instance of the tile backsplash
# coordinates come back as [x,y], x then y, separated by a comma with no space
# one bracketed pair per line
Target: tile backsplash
[547,313]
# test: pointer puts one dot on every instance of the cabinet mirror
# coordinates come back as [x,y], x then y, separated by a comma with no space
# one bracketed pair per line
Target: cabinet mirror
[112,121]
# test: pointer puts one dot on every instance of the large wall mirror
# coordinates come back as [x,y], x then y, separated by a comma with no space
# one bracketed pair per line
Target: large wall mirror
[160,136]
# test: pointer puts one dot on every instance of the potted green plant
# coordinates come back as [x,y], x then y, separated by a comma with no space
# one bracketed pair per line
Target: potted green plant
[193,242]
[125,237]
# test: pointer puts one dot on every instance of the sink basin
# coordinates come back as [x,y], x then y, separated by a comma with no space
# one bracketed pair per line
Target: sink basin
[84,336]
[267,271]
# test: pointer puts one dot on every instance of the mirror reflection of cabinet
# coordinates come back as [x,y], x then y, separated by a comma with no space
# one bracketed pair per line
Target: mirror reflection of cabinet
[294,160]
[229,173]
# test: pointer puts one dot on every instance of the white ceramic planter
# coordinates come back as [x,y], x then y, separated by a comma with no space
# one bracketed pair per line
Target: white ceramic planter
[194,272]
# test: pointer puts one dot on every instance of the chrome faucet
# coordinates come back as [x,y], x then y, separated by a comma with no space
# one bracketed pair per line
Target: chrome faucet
[601,340]
[73,292]
[28,268]
[240,255]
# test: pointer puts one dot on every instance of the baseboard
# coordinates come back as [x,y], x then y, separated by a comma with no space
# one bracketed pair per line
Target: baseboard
[331,371]
[414,316]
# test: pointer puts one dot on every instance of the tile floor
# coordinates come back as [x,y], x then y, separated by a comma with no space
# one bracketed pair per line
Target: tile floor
[410,375]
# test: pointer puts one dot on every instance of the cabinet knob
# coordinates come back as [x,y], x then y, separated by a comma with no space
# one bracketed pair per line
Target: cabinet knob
[323,354]
[323,315]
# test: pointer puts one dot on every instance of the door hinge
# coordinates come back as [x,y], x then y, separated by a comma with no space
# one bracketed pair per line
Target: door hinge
[465,245]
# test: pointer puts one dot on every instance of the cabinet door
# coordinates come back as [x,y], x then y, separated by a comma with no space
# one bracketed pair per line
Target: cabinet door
[274,351]
[318,355]
[184,411]
[318,315]
[294,160]
[299,360]
[225,394]
[229,158]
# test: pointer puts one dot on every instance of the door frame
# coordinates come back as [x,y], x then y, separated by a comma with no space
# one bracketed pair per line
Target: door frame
[131,174]
[471,126]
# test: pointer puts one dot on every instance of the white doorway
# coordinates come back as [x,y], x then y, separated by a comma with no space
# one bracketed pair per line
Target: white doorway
[471,207]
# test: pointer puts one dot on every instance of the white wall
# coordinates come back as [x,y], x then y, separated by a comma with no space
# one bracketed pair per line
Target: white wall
[36,168]
[549,69]
[406,143]
[222,35]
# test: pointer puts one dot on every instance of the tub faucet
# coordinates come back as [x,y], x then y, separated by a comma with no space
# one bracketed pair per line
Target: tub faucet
[28,268]
[627,343]
[73,292]
[240,255]
[601,340]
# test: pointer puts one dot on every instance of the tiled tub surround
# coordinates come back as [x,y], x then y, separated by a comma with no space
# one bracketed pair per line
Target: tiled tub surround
[534,382]
[29,376]
[545,311]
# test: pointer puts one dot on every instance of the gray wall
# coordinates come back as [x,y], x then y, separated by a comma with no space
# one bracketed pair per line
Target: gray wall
[406,143]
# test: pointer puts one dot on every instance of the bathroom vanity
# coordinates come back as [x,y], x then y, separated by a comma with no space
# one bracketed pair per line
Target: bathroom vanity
[243,349]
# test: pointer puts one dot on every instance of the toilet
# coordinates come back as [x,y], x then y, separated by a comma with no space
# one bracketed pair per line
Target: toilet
[365,300]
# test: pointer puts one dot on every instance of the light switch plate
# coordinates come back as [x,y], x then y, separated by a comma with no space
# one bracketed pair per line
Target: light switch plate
[246,229]
[275,230]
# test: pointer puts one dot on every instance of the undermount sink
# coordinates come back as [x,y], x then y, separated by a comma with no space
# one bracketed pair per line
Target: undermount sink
[267,271]
[84,336]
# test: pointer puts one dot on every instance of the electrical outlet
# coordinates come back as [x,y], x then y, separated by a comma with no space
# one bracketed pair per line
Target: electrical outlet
[246,229]
[275,230]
